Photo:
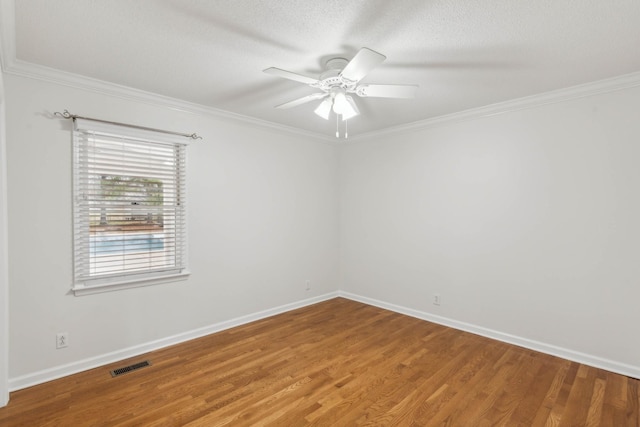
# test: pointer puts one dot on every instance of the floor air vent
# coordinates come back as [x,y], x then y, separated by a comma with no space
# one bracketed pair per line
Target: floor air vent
[135,366]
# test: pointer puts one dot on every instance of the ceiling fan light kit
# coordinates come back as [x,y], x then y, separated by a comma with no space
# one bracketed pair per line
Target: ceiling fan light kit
[324,109]
[350,109]
[340,81]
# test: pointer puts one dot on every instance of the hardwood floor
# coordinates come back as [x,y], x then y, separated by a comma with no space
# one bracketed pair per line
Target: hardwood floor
[337,363]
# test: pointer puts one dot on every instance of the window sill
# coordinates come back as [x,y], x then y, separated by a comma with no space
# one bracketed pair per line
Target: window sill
[80,290]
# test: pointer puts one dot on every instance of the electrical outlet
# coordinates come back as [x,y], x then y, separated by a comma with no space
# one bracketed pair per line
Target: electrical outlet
[436,299]
[62,339]
[308,288]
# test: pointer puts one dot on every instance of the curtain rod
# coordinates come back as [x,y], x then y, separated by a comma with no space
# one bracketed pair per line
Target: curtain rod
[67,115]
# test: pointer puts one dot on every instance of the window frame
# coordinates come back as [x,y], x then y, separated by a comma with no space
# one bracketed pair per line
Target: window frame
[84,130]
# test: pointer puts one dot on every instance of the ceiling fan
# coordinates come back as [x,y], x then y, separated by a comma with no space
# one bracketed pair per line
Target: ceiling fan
[340,81]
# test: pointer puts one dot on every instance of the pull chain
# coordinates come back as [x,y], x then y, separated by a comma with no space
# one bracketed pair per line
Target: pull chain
[346,129]
[337,127]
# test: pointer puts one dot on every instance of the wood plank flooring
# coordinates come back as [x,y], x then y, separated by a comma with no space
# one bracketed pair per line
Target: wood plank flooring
[337,363]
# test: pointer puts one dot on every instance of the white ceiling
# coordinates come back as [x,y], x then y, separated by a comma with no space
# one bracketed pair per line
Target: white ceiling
[464,53]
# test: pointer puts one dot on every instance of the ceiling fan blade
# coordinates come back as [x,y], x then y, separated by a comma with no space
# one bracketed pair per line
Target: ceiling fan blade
[302,100]
[290,75]
[361,64]
[387,91]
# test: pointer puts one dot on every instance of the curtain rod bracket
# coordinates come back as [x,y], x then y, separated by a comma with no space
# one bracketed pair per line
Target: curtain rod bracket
[67,115]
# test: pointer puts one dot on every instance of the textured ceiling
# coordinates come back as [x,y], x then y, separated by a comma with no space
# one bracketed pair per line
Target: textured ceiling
[463,54]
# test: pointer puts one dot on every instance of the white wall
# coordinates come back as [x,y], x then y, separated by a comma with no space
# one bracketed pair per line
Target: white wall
[527,224]
[262,220]
[4,287]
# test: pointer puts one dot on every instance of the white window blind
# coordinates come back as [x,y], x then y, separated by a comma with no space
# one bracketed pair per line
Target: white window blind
[129,206]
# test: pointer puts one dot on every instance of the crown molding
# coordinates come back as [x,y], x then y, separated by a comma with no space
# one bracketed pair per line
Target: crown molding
[11,65]
[622,82]
[39,72]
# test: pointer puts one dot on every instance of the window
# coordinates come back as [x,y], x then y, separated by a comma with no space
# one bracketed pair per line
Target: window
[129,207]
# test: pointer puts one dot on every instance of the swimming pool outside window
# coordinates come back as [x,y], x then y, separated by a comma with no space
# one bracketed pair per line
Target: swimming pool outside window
[129,207]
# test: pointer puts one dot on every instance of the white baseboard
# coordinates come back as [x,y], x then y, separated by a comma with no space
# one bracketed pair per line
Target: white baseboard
[104,359]
[50,374]
[564,353]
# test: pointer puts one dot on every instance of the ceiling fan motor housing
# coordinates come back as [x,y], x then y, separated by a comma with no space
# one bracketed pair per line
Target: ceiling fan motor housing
[336,64]
[331,77]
